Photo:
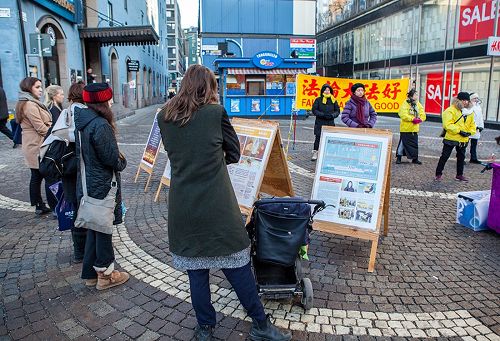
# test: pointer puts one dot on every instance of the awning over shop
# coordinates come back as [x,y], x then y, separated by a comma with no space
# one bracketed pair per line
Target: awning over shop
[256,71]
[121,36]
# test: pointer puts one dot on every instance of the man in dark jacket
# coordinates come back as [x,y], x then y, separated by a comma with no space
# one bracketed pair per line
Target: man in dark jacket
[326,110]
[4,115]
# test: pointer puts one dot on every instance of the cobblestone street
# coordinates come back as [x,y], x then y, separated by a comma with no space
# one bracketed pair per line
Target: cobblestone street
[433,278]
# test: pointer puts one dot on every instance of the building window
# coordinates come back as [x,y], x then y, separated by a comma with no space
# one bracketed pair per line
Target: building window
[142,18]
[110,13]
[256,85]
[125,5]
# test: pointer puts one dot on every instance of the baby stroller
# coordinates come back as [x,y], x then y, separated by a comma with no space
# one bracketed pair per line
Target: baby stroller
[278,228]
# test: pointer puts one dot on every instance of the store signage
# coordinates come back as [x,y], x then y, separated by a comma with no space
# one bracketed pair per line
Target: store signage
[4,12]
[477,19]
[267,60]
[210,50]
[64,8]
[305,48]
[133,65]
[434,92]
[44,43]
[494,46]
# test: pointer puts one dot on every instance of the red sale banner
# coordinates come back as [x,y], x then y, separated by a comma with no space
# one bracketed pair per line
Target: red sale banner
[434,91]
[477,19]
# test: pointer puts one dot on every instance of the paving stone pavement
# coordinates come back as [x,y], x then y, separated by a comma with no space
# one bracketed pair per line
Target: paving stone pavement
[433,278]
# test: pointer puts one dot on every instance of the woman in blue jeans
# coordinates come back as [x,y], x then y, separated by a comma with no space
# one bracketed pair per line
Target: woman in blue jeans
[205,227]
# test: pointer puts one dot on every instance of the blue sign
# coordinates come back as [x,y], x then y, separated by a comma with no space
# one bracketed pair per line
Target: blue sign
[65,8]
[267,60]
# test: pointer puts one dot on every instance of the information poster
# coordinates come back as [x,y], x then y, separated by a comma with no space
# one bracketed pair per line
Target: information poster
[255,105]
[350,176]
[152,146]
[255,147]
[275,105]
[167,173]
[235,105]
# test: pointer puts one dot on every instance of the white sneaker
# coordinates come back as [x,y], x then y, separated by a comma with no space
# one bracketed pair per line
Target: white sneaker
[314,157]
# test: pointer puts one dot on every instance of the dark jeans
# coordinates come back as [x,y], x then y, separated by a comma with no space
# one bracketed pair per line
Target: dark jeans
[79,236]
[98,252]
[4,129]
[473,149]
[36,189]
[241,280]
[445,155]
[316,142]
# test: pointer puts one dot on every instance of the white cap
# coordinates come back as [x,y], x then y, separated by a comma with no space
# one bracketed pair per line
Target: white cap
[474,95]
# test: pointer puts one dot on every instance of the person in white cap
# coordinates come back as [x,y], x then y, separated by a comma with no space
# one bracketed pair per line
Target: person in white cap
[478,118]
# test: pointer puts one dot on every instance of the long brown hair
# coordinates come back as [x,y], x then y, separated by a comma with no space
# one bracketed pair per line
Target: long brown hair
[103,109]
[25,85]
[198,88]
[75,93]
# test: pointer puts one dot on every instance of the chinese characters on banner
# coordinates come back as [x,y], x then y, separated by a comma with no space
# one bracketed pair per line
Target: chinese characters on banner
[151,150]
[350,175]
[477,19]
[384,95]
[434,91]
[255,147]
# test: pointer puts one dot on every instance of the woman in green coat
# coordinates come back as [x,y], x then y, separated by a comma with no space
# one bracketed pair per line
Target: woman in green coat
[205,227]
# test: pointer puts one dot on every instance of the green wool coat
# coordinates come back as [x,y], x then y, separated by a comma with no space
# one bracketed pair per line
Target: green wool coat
[204,219]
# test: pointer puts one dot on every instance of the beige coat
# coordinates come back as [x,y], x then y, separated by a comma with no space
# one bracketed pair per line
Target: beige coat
[36,122]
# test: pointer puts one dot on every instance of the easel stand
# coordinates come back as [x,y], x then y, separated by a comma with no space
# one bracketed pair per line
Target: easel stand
[352,231]
[146,169]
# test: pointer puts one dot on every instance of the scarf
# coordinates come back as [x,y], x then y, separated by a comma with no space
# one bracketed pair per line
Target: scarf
[413,107]
[360,108]
[326,97]
[26,96]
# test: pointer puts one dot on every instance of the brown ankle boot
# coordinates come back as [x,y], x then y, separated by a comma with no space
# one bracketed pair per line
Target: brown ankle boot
[112,280]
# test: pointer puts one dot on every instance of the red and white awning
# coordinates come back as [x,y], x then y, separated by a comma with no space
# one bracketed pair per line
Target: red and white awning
[256,71]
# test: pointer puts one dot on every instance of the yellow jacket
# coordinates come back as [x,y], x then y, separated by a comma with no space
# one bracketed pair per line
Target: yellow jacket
[407,115]
[449,117]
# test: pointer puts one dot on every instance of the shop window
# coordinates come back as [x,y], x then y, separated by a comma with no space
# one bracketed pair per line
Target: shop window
[275,84]
[235,85]
[290,84]
[256,85]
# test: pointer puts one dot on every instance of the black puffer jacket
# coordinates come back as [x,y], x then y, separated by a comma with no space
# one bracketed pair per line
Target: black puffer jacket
[325,113]
[101,156]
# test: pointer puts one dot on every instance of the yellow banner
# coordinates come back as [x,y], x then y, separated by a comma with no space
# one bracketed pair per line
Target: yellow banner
[384,95]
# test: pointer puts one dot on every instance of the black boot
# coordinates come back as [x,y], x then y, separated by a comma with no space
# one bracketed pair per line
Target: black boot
[204,333]
[266,331]
[42,209]
[416,161]
[79,236]
[398,159]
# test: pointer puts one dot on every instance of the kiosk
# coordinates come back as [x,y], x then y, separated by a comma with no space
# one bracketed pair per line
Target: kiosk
[260,86]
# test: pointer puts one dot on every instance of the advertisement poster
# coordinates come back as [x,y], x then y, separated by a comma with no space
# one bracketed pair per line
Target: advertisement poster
[350,176]
[384,95]
[255,105]
[255,147]
[304,48]
[275,105]
[153,145]
[235,105]
[434,91]
[167,173]
[477,20]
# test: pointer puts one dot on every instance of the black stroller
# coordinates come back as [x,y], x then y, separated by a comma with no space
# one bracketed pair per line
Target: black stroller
[277,229]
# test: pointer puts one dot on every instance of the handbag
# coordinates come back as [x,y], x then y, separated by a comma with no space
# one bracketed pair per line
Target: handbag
[96,214]
[17,132]
[443,132]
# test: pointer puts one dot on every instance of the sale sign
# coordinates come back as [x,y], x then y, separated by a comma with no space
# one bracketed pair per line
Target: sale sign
[477,19]
[384,95]
[434,91]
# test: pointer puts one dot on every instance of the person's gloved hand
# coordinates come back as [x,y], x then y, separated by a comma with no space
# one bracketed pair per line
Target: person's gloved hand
[417,120]
[464,133]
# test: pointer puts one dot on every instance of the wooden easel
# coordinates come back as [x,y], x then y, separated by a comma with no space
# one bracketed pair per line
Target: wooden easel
[348,230]
[276,179]
[165,181]
[145,164]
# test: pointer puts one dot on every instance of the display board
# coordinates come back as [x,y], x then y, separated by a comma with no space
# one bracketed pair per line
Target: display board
[353,176]
[150,153]
[262,167]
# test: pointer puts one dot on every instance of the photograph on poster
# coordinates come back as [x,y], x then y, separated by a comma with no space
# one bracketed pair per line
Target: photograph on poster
[367,187]
[349,186]
[255,147]
[347,202]
[346,213]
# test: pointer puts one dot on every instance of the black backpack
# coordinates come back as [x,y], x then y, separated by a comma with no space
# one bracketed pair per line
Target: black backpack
[58,160]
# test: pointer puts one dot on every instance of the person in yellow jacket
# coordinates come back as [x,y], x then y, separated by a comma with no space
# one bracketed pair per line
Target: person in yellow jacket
[459,125]
[412,114]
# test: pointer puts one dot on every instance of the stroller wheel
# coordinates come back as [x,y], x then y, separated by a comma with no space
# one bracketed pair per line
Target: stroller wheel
[307,294]
[298,269]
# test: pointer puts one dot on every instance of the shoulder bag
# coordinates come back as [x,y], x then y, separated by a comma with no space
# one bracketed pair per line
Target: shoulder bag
[96,214]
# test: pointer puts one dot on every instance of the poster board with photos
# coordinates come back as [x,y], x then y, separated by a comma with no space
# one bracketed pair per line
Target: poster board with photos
[150,153]
[262,167]
[165,179]
[353,174]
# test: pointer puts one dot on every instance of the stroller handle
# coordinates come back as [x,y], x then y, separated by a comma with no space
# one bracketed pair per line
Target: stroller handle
[289,201]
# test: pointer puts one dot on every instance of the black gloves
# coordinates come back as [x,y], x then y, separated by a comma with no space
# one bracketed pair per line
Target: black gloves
[464,133]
